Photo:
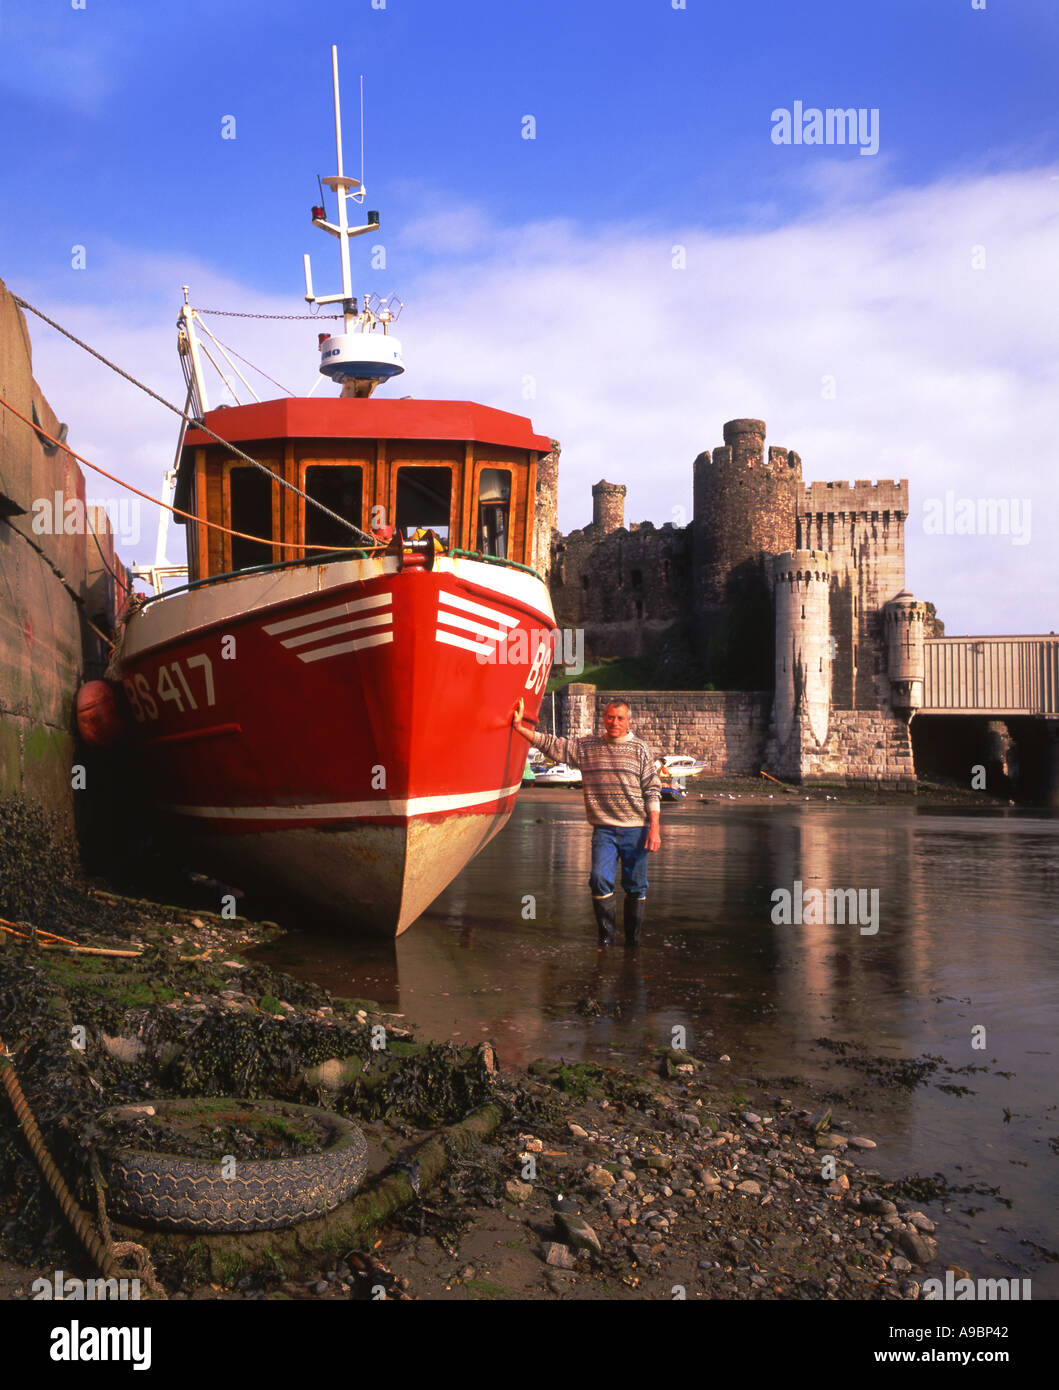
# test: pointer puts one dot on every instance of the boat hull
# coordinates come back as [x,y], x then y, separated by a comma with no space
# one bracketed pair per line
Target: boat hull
[339,733]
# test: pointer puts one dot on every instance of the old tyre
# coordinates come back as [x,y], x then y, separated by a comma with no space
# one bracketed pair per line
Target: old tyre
[183,1194]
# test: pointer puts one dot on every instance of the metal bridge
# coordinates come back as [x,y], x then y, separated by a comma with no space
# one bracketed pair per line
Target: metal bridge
[998,676]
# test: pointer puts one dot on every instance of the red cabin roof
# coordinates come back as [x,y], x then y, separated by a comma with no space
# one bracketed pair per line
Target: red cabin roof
[353,417]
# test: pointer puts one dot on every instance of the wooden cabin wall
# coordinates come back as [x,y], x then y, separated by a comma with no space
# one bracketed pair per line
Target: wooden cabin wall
[380,461]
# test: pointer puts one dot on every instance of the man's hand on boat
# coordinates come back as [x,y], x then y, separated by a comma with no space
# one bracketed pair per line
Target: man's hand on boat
[516,720]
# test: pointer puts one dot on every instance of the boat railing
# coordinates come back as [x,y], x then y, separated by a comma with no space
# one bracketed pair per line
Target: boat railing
[419,548]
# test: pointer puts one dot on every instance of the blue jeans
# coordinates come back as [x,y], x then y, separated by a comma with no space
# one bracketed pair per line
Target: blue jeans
[611,842]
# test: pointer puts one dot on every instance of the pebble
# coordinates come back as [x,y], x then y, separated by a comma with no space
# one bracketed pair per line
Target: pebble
[599,1177]
[920,1249]
[576,1231]
[559,1256]
[578,1132]
[750,1187]
[858,1142]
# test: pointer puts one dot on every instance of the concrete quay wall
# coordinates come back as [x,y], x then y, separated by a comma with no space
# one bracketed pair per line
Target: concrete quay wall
[51,578]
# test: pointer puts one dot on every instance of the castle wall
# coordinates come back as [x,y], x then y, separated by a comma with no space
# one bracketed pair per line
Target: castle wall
[726,728]
[863,747]
[625,589]
[546,511]
[862,526]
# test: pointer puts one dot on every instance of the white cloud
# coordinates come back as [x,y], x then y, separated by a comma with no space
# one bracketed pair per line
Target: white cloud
[944,374]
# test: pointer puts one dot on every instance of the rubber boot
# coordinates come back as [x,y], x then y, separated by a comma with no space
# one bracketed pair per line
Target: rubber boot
[635,908]
[605,919]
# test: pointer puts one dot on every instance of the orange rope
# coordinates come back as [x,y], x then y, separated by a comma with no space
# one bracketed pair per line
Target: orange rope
[198,520]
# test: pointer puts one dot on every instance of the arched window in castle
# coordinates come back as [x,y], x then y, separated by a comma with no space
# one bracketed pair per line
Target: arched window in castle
[584,582]
[665,570]
[639,608]
[636,578]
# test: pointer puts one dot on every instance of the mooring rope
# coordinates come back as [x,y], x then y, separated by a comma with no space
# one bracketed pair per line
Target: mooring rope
[95,1247]
[189,420]
[198,520]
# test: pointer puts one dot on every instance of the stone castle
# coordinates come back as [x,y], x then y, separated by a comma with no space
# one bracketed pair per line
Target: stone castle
[776,585]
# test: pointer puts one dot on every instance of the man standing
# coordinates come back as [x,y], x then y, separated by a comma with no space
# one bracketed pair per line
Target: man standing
[621,786]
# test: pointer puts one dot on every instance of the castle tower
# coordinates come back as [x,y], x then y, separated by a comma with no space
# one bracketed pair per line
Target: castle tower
[862,527]
[608,506]
[904,622]
[801,706]
[745,508]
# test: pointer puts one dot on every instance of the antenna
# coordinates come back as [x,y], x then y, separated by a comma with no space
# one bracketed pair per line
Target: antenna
[359,360]
[363,187]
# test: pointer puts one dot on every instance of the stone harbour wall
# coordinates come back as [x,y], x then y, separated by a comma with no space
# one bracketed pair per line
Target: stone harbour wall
[50,580]
[862,748]
[726,728]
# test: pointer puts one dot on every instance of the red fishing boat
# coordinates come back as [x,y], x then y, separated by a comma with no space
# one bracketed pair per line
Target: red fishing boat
[324,708]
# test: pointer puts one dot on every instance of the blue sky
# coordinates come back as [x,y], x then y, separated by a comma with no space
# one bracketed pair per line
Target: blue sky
[539,274]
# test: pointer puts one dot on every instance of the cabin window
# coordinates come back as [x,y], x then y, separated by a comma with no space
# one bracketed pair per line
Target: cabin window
[494,510]
[339,487]
[424,499]
[250,493]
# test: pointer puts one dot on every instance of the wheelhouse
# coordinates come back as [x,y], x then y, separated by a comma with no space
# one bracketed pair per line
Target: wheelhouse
[394,469]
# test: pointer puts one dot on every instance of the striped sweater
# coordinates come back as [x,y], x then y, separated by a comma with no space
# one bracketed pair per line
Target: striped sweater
[619,780]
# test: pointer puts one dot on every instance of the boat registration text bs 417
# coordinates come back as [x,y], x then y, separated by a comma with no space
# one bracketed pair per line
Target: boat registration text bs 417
[172,686]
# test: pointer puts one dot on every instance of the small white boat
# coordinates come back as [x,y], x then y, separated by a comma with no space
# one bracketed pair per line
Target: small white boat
[681,765]
[558,775]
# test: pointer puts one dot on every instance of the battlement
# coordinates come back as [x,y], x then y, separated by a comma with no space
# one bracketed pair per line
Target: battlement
[802,567]
[864,495]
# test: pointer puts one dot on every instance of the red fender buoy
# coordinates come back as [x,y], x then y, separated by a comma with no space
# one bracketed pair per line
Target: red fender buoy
[99,720]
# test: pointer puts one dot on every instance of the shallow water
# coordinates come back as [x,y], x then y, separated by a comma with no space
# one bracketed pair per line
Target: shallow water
[966,938]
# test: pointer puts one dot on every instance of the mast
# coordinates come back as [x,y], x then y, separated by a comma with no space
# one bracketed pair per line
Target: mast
[357,358]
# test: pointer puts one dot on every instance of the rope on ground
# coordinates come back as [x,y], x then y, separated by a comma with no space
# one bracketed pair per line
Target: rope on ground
[96,1248]
[195,423]
[144,1267]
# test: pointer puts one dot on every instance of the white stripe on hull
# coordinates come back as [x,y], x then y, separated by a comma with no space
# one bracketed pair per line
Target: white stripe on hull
[349,810]
[451,639]
[321,653]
